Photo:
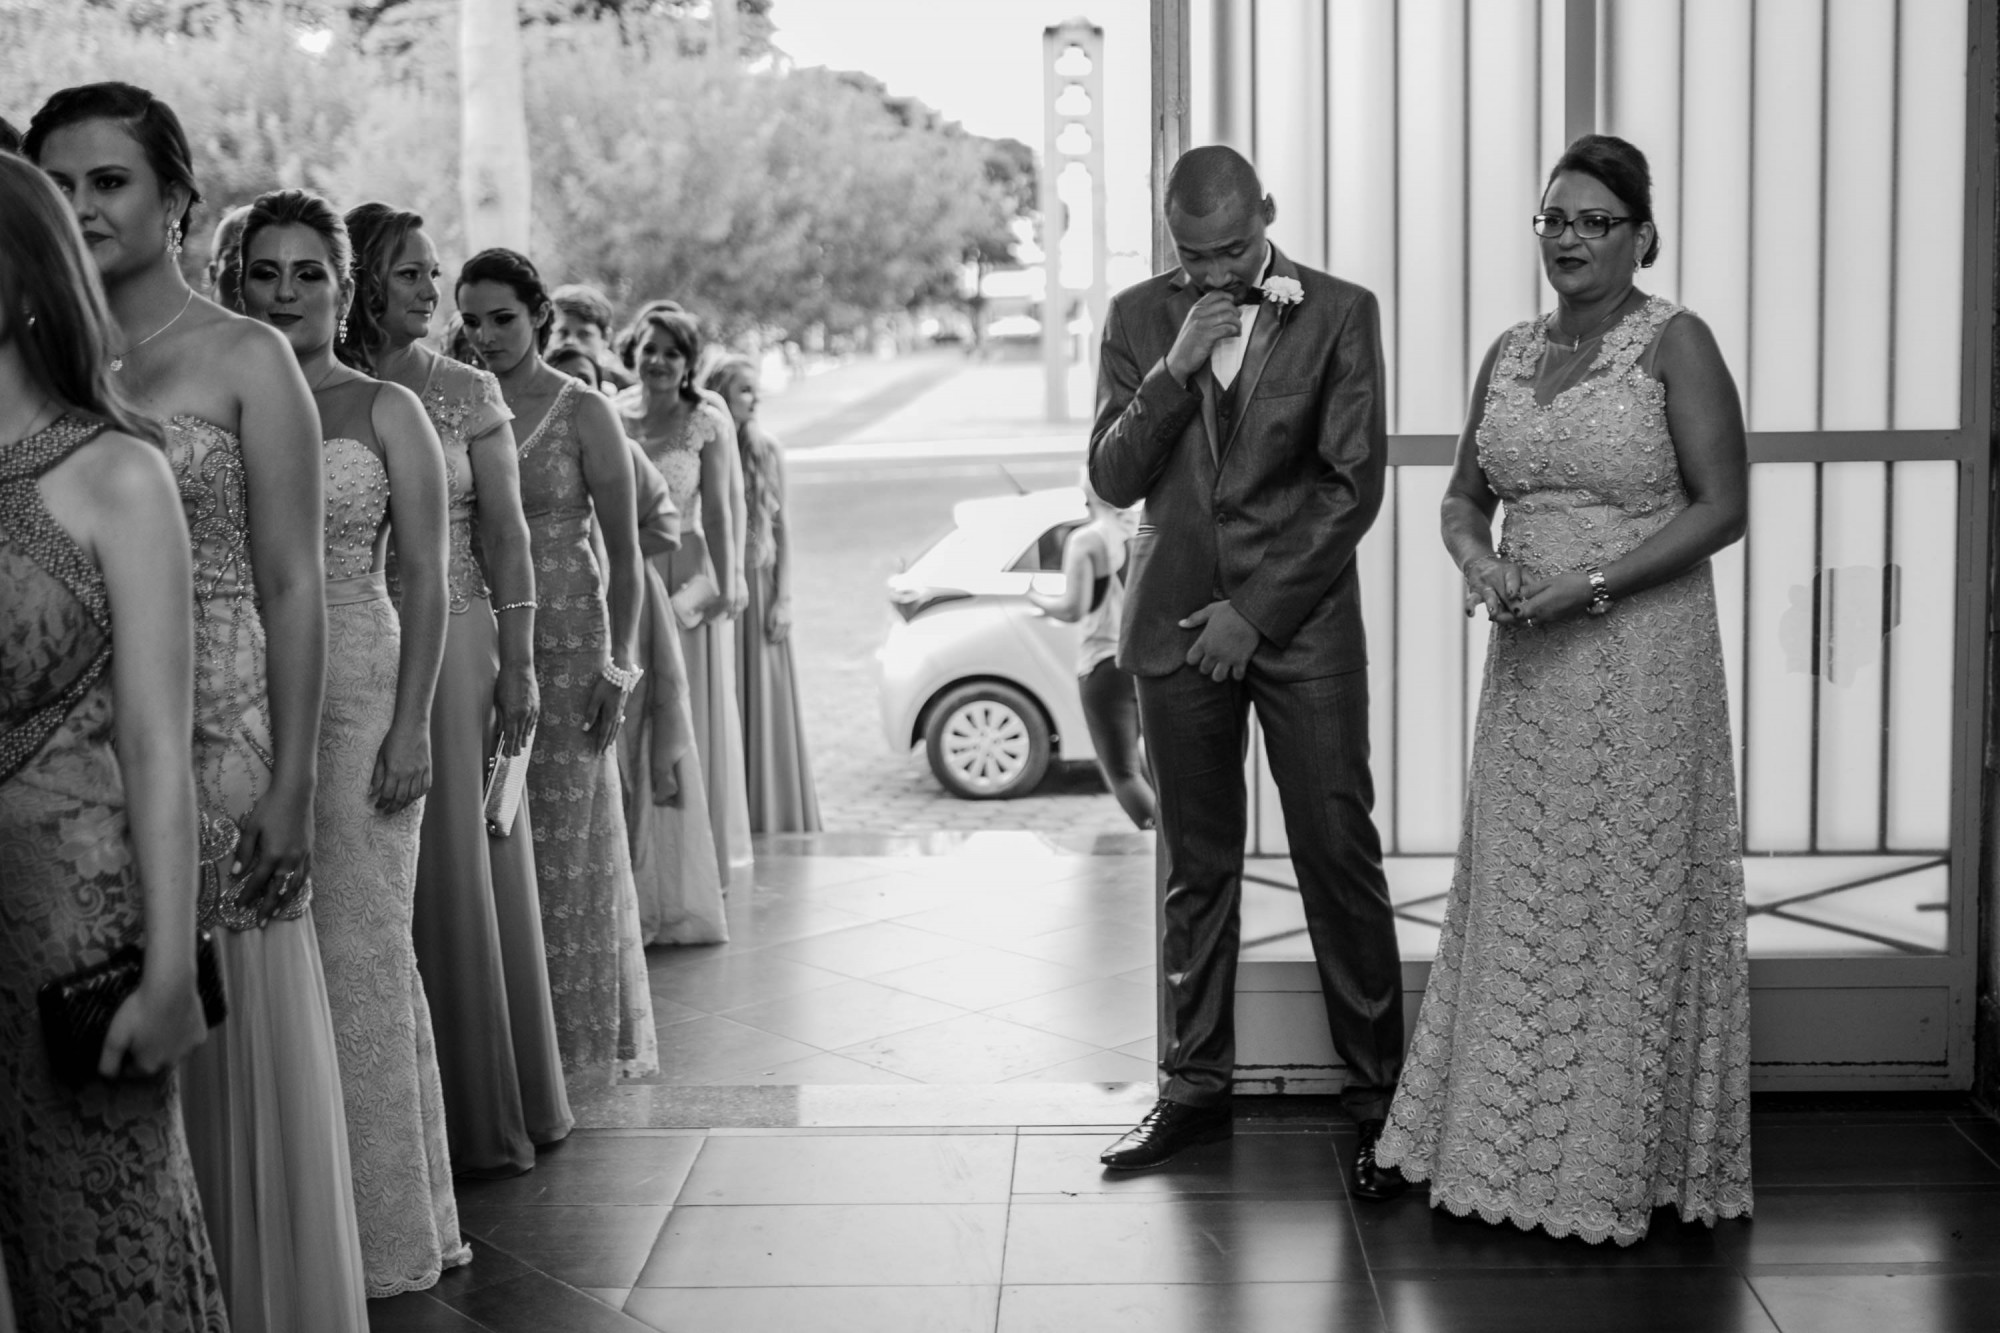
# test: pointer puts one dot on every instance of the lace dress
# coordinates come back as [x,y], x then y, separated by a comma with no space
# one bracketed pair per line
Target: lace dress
[364,873]
[1582,1055]
[265,1123]
[100,1225]
[709,649]
[590,910]
[477,923]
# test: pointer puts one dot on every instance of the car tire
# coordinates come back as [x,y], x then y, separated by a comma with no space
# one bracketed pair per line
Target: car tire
[987,742]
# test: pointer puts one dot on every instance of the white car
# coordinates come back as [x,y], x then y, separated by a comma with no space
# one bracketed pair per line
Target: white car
[974,671]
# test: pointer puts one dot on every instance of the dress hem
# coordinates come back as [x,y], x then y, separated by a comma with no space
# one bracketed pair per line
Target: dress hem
[1562,1227]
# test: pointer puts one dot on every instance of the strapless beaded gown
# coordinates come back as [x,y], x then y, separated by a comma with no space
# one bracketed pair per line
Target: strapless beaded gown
[262,1096]
[477,922]
[364,880]
[583,863]
[100,1224]
[1583,1051]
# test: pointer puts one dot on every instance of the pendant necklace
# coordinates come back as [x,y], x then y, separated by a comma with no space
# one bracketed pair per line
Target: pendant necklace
[1591,332]
[118,362]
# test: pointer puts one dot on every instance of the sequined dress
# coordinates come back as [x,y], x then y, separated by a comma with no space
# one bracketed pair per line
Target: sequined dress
[1582,1055]
[590,909]
[477,922]
[265,1123]
[100,1224]
[365,869]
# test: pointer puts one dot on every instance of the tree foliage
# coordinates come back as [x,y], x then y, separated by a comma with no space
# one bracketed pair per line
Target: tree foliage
[756,196]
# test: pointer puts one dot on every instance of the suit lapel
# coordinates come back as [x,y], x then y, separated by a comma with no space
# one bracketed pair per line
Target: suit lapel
[1178,307]
[1270,323]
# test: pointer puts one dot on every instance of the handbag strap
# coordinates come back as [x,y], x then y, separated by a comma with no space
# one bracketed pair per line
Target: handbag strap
[29,526]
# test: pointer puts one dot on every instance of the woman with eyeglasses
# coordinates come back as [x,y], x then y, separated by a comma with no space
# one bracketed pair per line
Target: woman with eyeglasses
[1582,1056]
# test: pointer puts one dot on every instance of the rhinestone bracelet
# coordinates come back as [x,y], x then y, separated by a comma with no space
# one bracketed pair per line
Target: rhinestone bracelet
[1600,596]
[514,606]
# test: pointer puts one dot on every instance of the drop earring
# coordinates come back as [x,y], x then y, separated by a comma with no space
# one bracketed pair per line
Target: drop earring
[173,242]
[340,332]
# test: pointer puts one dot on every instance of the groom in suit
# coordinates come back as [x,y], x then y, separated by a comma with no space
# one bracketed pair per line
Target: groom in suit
[1240,397]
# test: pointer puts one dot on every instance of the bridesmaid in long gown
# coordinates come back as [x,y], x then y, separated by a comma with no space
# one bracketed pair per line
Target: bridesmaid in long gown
[100,1223]
[477,924]
[689,436]
[383,466]
[1583,1052]
[777,767]
[575,466]
[262,1099]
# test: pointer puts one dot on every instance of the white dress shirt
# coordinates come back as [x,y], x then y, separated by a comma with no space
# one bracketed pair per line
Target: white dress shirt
[1226,358]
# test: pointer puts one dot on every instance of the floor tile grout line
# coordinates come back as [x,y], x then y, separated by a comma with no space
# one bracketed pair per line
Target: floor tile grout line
[1977,1146]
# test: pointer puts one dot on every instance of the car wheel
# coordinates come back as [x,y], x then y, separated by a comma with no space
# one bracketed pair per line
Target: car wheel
[987,742]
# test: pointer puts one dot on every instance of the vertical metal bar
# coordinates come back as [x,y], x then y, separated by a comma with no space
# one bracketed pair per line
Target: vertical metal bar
[1464,193]
[1170,113]
[1895,203]
[1395,387]
[1820,661]
[1889,599]
[1579,68]
[1819,333]
[1393,506]
[1750,258]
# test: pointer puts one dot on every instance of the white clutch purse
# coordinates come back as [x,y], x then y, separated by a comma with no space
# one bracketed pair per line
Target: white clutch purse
[506,779]
[692,599]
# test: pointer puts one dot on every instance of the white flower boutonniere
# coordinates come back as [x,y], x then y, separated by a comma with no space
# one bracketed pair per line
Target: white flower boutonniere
[1284,291]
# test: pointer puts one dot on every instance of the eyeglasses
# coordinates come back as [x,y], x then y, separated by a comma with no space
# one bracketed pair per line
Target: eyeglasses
[1589,226]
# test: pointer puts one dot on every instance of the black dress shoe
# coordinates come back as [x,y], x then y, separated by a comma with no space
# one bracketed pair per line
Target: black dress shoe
[1168,1128]
[1372,1180]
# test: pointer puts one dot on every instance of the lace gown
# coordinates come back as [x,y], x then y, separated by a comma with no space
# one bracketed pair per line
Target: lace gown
[590,909]
[100,1225]
[364,876]
[1582,1055]
[709,649]
[265,1123]
[477,923]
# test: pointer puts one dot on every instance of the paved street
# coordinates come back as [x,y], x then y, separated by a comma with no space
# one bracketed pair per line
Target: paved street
[879,452]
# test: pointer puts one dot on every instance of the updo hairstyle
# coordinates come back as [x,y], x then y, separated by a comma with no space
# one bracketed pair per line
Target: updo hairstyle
[517,271]
[1620,168]
[151,123]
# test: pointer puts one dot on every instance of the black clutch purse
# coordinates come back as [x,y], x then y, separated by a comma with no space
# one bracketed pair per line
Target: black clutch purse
[77,1009]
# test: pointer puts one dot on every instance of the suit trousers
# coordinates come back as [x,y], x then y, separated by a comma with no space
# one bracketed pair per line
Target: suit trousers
[1316,742]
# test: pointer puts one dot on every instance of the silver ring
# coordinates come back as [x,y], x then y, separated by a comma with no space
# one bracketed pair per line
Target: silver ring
[1529,621]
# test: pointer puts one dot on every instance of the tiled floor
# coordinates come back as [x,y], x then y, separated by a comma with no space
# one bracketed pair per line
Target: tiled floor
[1877,1216]
[883,1101]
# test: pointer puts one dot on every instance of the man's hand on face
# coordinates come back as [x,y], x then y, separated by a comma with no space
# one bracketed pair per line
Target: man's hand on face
[1226,643]
[1213,318]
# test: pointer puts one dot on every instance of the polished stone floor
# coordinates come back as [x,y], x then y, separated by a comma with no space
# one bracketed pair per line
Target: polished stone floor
[884,1099]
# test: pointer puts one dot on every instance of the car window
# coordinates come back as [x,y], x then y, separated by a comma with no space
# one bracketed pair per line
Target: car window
[1046,554]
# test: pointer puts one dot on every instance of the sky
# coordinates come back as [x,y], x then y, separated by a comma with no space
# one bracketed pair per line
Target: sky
[980,63]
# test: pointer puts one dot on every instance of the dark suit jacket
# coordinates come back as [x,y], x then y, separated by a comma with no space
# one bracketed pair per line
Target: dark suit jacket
[1268,518]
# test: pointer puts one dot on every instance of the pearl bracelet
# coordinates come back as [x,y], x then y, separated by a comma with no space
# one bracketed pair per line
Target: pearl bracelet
[622,677]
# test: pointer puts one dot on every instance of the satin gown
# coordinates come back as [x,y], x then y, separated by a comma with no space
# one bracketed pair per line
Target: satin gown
[1583,1051]
[583,862]
[364,876]
[100,1223]
[777,766]
[265,1120]
[477,922]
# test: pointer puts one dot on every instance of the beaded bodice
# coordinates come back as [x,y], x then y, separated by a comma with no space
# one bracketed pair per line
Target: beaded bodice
[55,615]
[357,502]
[677,454]
[463,403]
[208,468]
[1590,474]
